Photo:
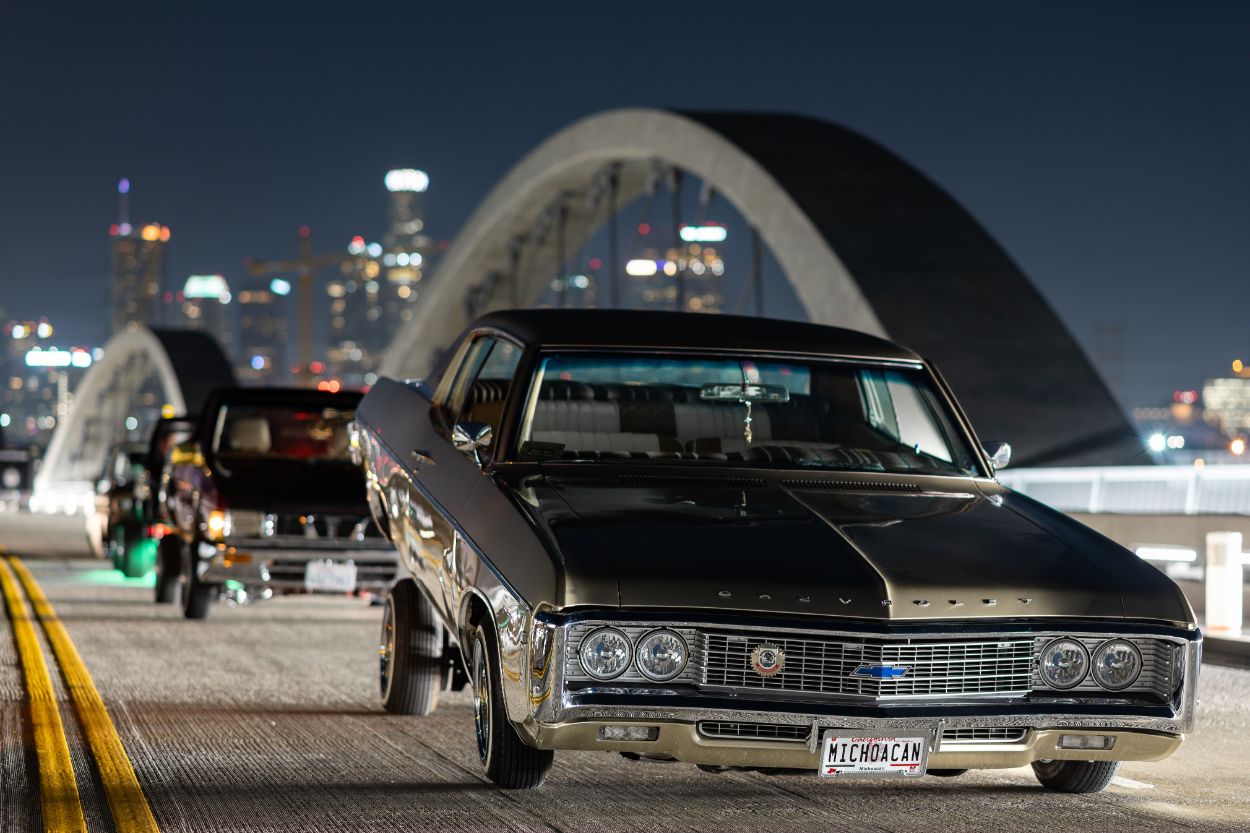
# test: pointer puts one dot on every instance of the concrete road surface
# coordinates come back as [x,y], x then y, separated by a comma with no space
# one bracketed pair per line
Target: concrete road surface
[266,718]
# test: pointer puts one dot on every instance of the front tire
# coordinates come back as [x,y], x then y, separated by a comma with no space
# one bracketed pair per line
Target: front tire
[509,762]
[197,597]
[1075,776]
[168,569]
[410,655]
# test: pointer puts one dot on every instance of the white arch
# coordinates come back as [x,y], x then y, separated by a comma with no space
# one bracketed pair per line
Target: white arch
[635,138]
[80,445]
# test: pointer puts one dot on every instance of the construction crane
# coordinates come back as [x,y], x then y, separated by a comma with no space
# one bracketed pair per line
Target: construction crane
[303,266]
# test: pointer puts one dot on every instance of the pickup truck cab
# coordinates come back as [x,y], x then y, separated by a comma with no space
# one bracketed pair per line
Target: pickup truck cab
[263,499]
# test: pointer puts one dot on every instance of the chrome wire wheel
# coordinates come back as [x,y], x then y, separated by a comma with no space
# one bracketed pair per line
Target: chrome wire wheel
[386,649]
[481,700]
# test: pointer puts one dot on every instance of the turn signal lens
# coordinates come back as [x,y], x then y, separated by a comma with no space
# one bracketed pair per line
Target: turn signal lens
[634,733]
[605,653]
[662,655]
[1086,742]
[1117,664]
[1063,663]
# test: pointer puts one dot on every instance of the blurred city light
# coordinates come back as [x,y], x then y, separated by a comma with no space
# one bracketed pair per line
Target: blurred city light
[58,358]
[279,286]
[1157,442]
[207,286]
[357,245]
[640,268]
[703,234]
[1237,446]
[123,186]
[407,179]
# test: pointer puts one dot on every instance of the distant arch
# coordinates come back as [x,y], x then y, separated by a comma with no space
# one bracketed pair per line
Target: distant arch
[865,240]
[184,365]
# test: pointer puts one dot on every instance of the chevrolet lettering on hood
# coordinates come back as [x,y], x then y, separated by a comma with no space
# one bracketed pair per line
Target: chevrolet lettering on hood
[746,543]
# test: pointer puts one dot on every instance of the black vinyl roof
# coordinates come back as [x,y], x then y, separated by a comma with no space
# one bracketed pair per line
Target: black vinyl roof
[648,329]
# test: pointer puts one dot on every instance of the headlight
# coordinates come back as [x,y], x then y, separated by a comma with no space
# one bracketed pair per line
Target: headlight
[224,523]
[217,525]
[1117,664]
[604,653]
[662,655]
[1063,663]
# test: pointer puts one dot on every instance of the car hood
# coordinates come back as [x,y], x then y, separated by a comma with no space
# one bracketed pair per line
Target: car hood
[893,550]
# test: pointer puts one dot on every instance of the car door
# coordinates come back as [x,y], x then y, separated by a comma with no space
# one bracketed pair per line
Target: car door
[442,476]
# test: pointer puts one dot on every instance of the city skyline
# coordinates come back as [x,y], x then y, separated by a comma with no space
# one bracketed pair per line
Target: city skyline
[1132,215]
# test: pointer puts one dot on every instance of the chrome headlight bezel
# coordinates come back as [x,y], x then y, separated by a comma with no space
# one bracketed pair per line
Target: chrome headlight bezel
[1100,651]
[639,653]
[586,642]
[1081,650]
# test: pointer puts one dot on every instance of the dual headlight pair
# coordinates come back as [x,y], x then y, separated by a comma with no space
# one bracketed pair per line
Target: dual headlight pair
[1065,662]
[606,653]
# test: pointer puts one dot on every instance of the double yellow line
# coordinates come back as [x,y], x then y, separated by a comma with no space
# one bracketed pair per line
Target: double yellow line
[62,806]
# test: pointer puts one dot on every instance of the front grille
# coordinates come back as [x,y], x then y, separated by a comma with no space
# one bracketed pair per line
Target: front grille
[825,666]
[754,731]
[984,734]
[333,527]
[291,571]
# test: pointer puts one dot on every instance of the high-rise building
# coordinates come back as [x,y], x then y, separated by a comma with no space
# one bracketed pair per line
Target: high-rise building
[374,294]
[695,263]
[39,380]
[206,307]
[1226,404]
[262,331]
[138,258]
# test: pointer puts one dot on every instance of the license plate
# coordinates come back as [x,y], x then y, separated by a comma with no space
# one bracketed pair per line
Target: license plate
[846,755]
[329,577]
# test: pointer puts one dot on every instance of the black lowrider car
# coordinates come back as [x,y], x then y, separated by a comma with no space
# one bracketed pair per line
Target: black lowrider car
[748,543]
[264,498]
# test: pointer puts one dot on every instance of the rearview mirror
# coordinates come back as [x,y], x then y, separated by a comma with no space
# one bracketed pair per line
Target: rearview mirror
[743,392]
[999,454]
[471,437]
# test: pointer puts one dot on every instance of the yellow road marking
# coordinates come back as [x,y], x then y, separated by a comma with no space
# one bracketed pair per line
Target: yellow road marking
[58,789]
[127,803]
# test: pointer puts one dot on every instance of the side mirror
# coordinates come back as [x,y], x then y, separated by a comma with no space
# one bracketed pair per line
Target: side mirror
[187,454]
[999,454]
[472,437]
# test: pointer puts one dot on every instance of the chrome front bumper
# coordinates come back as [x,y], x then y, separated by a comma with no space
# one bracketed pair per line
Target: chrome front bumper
[552,715]
[259,565]
[682,741]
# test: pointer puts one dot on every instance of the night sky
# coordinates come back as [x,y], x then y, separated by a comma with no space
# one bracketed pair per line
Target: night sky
[1105,145]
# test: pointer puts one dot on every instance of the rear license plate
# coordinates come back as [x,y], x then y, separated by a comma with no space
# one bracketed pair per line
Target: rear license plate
[329,577]
[846,755]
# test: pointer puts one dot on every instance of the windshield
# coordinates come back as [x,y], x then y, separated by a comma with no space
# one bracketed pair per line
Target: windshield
[280,432]
[741,411]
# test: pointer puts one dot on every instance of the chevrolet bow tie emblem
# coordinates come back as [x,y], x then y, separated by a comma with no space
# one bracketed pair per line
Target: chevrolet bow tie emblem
[879,671]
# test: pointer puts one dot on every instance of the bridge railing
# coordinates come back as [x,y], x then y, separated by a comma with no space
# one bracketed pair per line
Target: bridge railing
[1137,490]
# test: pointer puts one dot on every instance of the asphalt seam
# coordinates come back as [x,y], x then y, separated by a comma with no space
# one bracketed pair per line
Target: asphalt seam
[127,804]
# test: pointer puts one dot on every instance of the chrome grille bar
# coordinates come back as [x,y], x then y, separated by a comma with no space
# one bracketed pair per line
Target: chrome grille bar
[825,666]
